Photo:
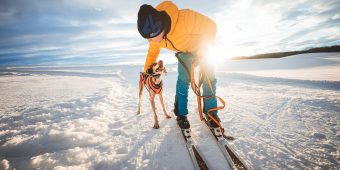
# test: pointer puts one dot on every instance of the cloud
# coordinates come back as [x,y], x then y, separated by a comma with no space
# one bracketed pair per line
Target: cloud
[73,28]
[69,31]
[272,26]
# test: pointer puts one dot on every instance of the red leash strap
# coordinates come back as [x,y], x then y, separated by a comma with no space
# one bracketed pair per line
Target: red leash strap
[196,88]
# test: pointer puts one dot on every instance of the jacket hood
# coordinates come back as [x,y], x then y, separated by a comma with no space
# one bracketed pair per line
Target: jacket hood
[171,9]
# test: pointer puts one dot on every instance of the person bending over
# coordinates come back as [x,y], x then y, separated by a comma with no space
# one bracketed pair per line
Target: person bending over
[188,33]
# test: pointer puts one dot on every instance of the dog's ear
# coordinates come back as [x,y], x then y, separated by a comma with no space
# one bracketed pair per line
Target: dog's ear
[164,70]
[161,63]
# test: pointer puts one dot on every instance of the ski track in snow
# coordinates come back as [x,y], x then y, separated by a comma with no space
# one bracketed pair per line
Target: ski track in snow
[284,126]
[89,121]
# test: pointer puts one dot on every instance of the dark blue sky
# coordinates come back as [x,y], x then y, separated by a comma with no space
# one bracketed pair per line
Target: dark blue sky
[104,31]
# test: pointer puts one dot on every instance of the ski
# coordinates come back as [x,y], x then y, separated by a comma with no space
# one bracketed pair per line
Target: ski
[234,160]
[196,156]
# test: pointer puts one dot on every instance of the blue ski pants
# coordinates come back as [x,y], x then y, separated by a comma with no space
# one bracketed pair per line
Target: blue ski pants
[183,83]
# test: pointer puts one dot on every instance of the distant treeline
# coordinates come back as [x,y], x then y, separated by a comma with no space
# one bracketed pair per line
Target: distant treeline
[335,48]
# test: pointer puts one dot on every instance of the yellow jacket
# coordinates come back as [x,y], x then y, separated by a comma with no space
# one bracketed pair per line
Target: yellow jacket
[189,29]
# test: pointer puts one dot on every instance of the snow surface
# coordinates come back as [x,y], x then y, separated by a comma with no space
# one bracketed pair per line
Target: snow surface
[284,113]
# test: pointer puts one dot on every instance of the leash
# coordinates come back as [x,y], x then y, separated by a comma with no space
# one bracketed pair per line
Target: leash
[196,89]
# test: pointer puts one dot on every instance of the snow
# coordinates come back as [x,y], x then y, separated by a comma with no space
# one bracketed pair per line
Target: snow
[283,112]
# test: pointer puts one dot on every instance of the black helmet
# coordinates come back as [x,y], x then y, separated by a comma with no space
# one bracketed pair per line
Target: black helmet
[150,21]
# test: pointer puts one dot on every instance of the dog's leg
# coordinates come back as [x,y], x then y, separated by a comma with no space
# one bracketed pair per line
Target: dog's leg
[152,101]
[140,96]
[162,103]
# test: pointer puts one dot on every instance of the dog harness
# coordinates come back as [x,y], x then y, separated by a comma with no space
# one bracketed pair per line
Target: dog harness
[146,80]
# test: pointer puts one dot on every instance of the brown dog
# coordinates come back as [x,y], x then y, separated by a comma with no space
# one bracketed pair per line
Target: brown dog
[153,83]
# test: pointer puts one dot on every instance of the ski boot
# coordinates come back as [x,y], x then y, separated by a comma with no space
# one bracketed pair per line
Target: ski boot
[212,123]
[218,132]
[183,122]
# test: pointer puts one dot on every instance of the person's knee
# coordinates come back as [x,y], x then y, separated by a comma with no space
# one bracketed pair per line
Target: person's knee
[183,75]
[213,81]
[206,85]
[184,82]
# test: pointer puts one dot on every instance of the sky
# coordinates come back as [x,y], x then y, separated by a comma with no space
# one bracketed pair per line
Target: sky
[72,32]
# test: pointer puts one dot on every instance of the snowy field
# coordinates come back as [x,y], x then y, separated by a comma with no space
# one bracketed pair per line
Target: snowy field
[284,113]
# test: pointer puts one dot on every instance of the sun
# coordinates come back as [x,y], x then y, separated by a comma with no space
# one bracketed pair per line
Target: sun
[219,54]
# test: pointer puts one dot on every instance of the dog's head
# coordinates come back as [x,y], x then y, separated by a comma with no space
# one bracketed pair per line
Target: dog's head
[157,68]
